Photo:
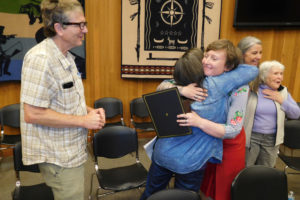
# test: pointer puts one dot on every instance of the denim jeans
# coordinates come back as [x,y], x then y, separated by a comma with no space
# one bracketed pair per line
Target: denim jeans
[159,177]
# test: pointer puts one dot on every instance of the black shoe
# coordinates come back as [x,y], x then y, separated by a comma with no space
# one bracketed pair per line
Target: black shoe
[7,73]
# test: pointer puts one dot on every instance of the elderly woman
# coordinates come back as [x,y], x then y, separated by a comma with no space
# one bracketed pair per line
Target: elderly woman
[266,110]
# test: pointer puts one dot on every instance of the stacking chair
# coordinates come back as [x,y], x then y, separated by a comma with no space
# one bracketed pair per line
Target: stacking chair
[175,194]
[10,126]
[260,183]
[31,192]
[113,110]
[116,142]
[292,141]
[139,116]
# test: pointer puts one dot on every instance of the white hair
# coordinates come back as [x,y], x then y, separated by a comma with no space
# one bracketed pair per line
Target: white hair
[265,67]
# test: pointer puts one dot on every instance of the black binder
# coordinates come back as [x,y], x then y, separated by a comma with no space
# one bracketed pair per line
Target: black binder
[163,107]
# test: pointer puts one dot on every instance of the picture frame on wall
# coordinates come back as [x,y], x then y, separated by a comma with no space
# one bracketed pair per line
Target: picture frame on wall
[156,33]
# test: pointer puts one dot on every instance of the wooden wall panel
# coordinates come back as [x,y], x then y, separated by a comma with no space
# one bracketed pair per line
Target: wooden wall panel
[104,55]
[279,44]
[9,93]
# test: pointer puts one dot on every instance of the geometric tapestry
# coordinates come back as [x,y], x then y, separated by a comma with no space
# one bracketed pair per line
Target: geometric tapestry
[155,33]
[21,29]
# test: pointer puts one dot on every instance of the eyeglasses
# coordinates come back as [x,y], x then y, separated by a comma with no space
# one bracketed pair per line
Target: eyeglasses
[81,25]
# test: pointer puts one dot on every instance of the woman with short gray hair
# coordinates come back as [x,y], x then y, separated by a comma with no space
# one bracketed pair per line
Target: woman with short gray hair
[265,68]
[266,111]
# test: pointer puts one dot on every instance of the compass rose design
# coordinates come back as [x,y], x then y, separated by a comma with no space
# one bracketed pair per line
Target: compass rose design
[171,12]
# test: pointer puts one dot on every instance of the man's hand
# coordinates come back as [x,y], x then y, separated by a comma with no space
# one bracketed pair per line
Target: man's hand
[95,119]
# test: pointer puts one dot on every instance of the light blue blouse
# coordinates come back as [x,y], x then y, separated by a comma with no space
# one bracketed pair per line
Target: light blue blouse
[185,154]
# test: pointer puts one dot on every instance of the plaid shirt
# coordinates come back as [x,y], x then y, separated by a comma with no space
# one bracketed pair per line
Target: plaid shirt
[51,80]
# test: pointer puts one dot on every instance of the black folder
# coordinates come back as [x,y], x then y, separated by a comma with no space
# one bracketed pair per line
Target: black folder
[163,107]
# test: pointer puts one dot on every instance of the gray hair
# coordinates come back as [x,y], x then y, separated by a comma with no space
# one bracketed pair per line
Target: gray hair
[265,67]
[56,11]
[247,42]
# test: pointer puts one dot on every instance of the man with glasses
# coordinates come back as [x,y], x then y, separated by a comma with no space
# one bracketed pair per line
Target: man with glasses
[54,115]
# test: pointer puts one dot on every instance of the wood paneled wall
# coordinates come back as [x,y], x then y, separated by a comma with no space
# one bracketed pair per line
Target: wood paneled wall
[278,44]
[104,55]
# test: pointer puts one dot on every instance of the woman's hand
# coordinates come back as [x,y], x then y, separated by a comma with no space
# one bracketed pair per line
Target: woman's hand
[189,119]
[273,95]
[209,127]
[191,91]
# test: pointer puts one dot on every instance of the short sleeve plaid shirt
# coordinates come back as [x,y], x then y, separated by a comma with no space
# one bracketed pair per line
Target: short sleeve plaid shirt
[51,80]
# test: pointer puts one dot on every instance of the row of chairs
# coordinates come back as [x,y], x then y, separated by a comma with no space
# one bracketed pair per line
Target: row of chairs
[254,182]
[10,118]
[111,142]
[139,116]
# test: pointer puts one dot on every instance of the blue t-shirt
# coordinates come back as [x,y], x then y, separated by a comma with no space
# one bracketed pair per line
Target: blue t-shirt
[185,154]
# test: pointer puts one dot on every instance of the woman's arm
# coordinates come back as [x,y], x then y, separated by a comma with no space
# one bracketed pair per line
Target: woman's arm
[190,91]
[209,127]
[237,111]
[291,108]
[288,105]
[234,122]
[236,78]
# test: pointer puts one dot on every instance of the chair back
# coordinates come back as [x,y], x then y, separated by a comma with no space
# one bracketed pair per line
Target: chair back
[28,192]
[138,108]
[112,106]
[115,142]
[260,183]
[10,116]
[175,194]
[292,134]
[18,163]
[10,128]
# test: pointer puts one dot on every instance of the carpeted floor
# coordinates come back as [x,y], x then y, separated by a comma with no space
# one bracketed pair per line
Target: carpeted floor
[7,177]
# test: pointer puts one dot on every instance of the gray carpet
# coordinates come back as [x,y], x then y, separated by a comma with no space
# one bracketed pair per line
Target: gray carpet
[7,177]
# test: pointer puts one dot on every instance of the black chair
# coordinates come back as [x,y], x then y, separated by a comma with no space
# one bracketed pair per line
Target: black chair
[115,142]
[113,110]
[139,116]
[10,118]
[292,141]
[260,183]
[29,192]
[175,194]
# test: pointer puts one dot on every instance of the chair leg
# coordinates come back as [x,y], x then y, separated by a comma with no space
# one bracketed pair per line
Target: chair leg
[91,188]
[104,194]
